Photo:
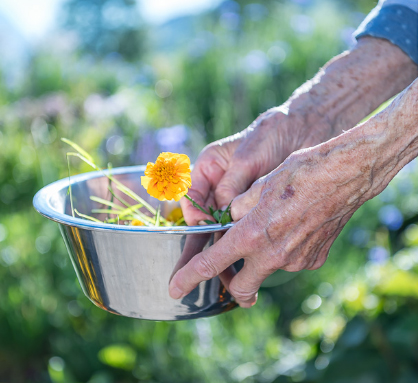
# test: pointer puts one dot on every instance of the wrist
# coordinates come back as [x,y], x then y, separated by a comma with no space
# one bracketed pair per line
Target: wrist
[371,154]
[398,132]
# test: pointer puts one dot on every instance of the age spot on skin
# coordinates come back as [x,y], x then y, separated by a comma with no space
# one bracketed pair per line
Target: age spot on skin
[289,192]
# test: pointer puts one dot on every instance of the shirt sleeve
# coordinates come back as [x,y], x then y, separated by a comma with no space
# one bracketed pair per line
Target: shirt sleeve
[396,21]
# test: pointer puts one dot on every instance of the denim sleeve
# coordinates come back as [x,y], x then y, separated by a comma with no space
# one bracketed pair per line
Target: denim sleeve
[396,21]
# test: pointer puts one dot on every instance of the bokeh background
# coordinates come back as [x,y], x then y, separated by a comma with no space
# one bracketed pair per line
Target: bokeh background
[129,79]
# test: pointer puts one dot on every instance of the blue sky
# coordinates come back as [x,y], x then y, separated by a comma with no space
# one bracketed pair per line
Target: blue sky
[34,18]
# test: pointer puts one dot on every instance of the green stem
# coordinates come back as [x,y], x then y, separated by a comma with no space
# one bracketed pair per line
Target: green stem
[120,186]
[85,216]
[195,204]
[69,186]
[157,218]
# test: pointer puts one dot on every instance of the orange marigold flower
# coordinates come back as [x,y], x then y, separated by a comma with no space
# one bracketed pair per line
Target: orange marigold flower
[169,178]
[137,222]
[175,214]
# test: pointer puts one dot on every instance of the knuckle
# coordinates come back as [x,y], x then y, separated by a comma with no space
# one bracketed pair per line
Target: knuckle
[258,236]
[241,293]
[223,188]
[259,185]
[244,163]
[205,268]
[207,152]
[253,237]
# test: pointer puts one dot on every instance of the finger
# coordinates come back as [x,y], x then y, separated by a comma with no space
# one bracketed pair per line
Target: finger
[208,264]
[230,272]
[193,215]
[227,275]
[201,192]
[234,182]
[193,245]
[242,204]
[245,285]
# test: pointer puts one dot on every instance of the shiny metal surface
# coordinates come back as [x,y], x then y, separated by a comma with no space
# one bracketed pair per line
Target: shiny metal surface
[126,269]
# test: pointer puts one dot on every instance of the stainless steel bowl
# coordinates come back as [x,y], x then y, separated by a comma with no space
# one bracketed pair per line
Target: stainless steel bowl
[126,269]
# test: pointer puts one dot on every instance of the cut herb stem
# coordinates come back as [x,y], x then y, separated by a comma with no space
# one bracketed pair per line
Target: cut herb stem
[195,204]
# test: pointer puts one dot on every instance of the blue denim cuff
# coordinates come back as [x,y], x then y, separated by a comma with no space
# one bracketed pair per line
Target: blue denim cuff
[396,23]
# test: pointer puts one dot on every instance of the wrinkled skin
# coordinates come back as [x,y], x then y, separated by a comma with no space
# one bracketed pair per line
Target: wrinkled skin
[348,88]
[228,167]
[289,218]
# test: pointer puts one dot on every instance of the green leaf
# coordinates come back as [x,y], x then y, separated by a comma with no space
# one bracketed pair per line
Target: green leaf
[87,217]
[180,222]
[157,218]
[78,149]
[106,202]
[106,211]
[226,216]
[87,161]
[69,186]
[210,222]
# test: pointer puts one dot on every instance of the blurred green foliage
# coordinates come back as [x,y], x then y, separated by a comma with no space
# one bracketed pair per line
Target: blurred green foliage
[104,27]
[201,78]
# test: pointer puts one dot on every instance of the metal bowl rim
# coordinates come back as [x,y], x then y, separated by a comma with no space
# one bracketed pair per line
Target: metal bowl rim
[42,205]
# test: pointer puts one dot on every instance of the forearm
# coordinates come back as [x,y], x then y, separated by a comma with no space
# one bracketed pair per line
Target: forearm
[348,88]
[362,161]
[394,139]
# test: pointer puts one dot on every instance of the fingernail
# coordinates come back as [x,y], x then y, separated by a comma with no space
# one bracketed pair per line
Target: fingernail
[246,305]
[176,293]
[224,207]
[202,223]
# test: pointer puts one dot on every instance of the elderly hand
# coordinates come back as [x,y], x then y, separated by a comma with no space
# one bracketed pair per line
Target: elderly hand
[347,89]
[290,218]
[228,167]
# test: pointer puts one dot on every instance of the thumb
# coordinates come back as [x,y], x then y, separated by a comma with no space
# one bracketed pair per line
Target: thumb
[234,182]
[242,204]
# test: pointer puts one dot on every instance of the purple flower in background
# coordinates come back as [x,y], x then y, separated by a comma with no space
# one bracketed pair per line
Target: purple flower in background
[172,139]
[378,254]
[391,217]
[146,149]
